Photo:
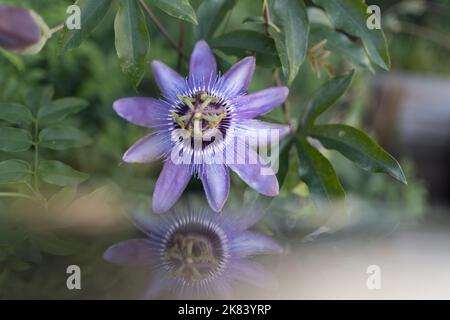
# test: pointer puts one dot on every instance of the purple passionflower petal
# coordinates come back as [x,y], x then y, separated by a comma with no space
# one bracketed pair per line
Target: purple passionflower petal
[216,182]
[203,66]
[152,147]
[238,78]
[146,112]
[22,30]
[206,120]
[261,102]
[131,252]
[170,185]
[168,80]
[194,253]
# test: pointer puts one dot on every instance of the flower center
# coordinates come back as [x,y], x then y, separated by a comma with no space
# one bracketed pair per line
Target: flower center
[202,118]
[194,256]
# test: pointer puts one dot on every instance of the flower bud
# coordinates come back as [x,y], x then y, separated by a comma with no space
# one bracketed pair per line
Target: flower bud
[22,30]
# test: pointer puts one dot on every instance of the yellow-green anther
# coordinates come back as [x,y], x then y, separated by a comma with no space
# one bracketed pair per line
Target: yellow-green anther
[209,118]
[179,120]
[219,118]
[186,100]
[205,103]
[205,96]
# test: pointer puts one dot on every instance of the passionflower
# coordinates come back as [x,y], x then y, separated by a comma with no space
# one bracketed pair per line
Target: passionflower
[22,30]
[202,124]
[195,253]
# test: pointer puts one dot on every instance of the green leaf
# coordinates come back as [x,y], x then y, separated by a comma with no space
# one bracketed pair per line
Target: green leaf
[242,43]
[210,14]
[324,98]
[318,173]
[359,148]
[180,9]
[255,19]
[14,59]
[58,110]
[15,113]
[38,97]
[60,174]
[351,17]
[283,159]
[13,170]
[62,138]
[132,39]
[340,44]
[292,42]
[244,39]
[14,139]
[92,13]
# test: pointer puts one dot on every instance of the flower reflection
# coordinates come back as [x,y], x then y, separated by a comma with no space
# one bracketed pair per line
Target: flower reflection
[197,253]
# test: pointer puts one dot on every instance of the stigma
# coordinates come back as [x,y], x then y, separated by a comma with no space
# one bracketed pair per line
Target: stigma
[199,115]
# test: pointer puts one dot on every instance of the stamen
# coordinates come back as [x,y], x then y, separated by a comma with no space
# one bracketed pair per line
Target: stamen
[199,115]
[192,256]
[178,119]
[204,96]
[186,100]
[216,122]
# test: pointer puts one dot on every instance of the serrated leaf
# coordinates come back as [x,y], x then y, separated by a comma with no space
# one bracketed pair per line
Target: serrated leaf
[13,170]
[359,148]
[318,173]
[60,174]
[14,139]
[340,44]
[180,9]
[351,17]
[132,40]
[324,98]
[92,13]
[15,113]
[210,14]
[62,138]
[57,110]
[292,42]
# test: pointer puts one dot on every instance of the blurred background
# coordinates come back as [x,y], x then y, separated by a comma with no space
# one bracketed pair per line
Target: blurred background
[403,229]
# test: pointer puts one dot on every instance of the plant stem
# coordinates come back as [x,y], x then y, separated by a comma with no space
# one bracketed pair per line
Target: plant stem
[267,18]
[57,28]
[160,27]
[16,195]
[38,196]
[180,45]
